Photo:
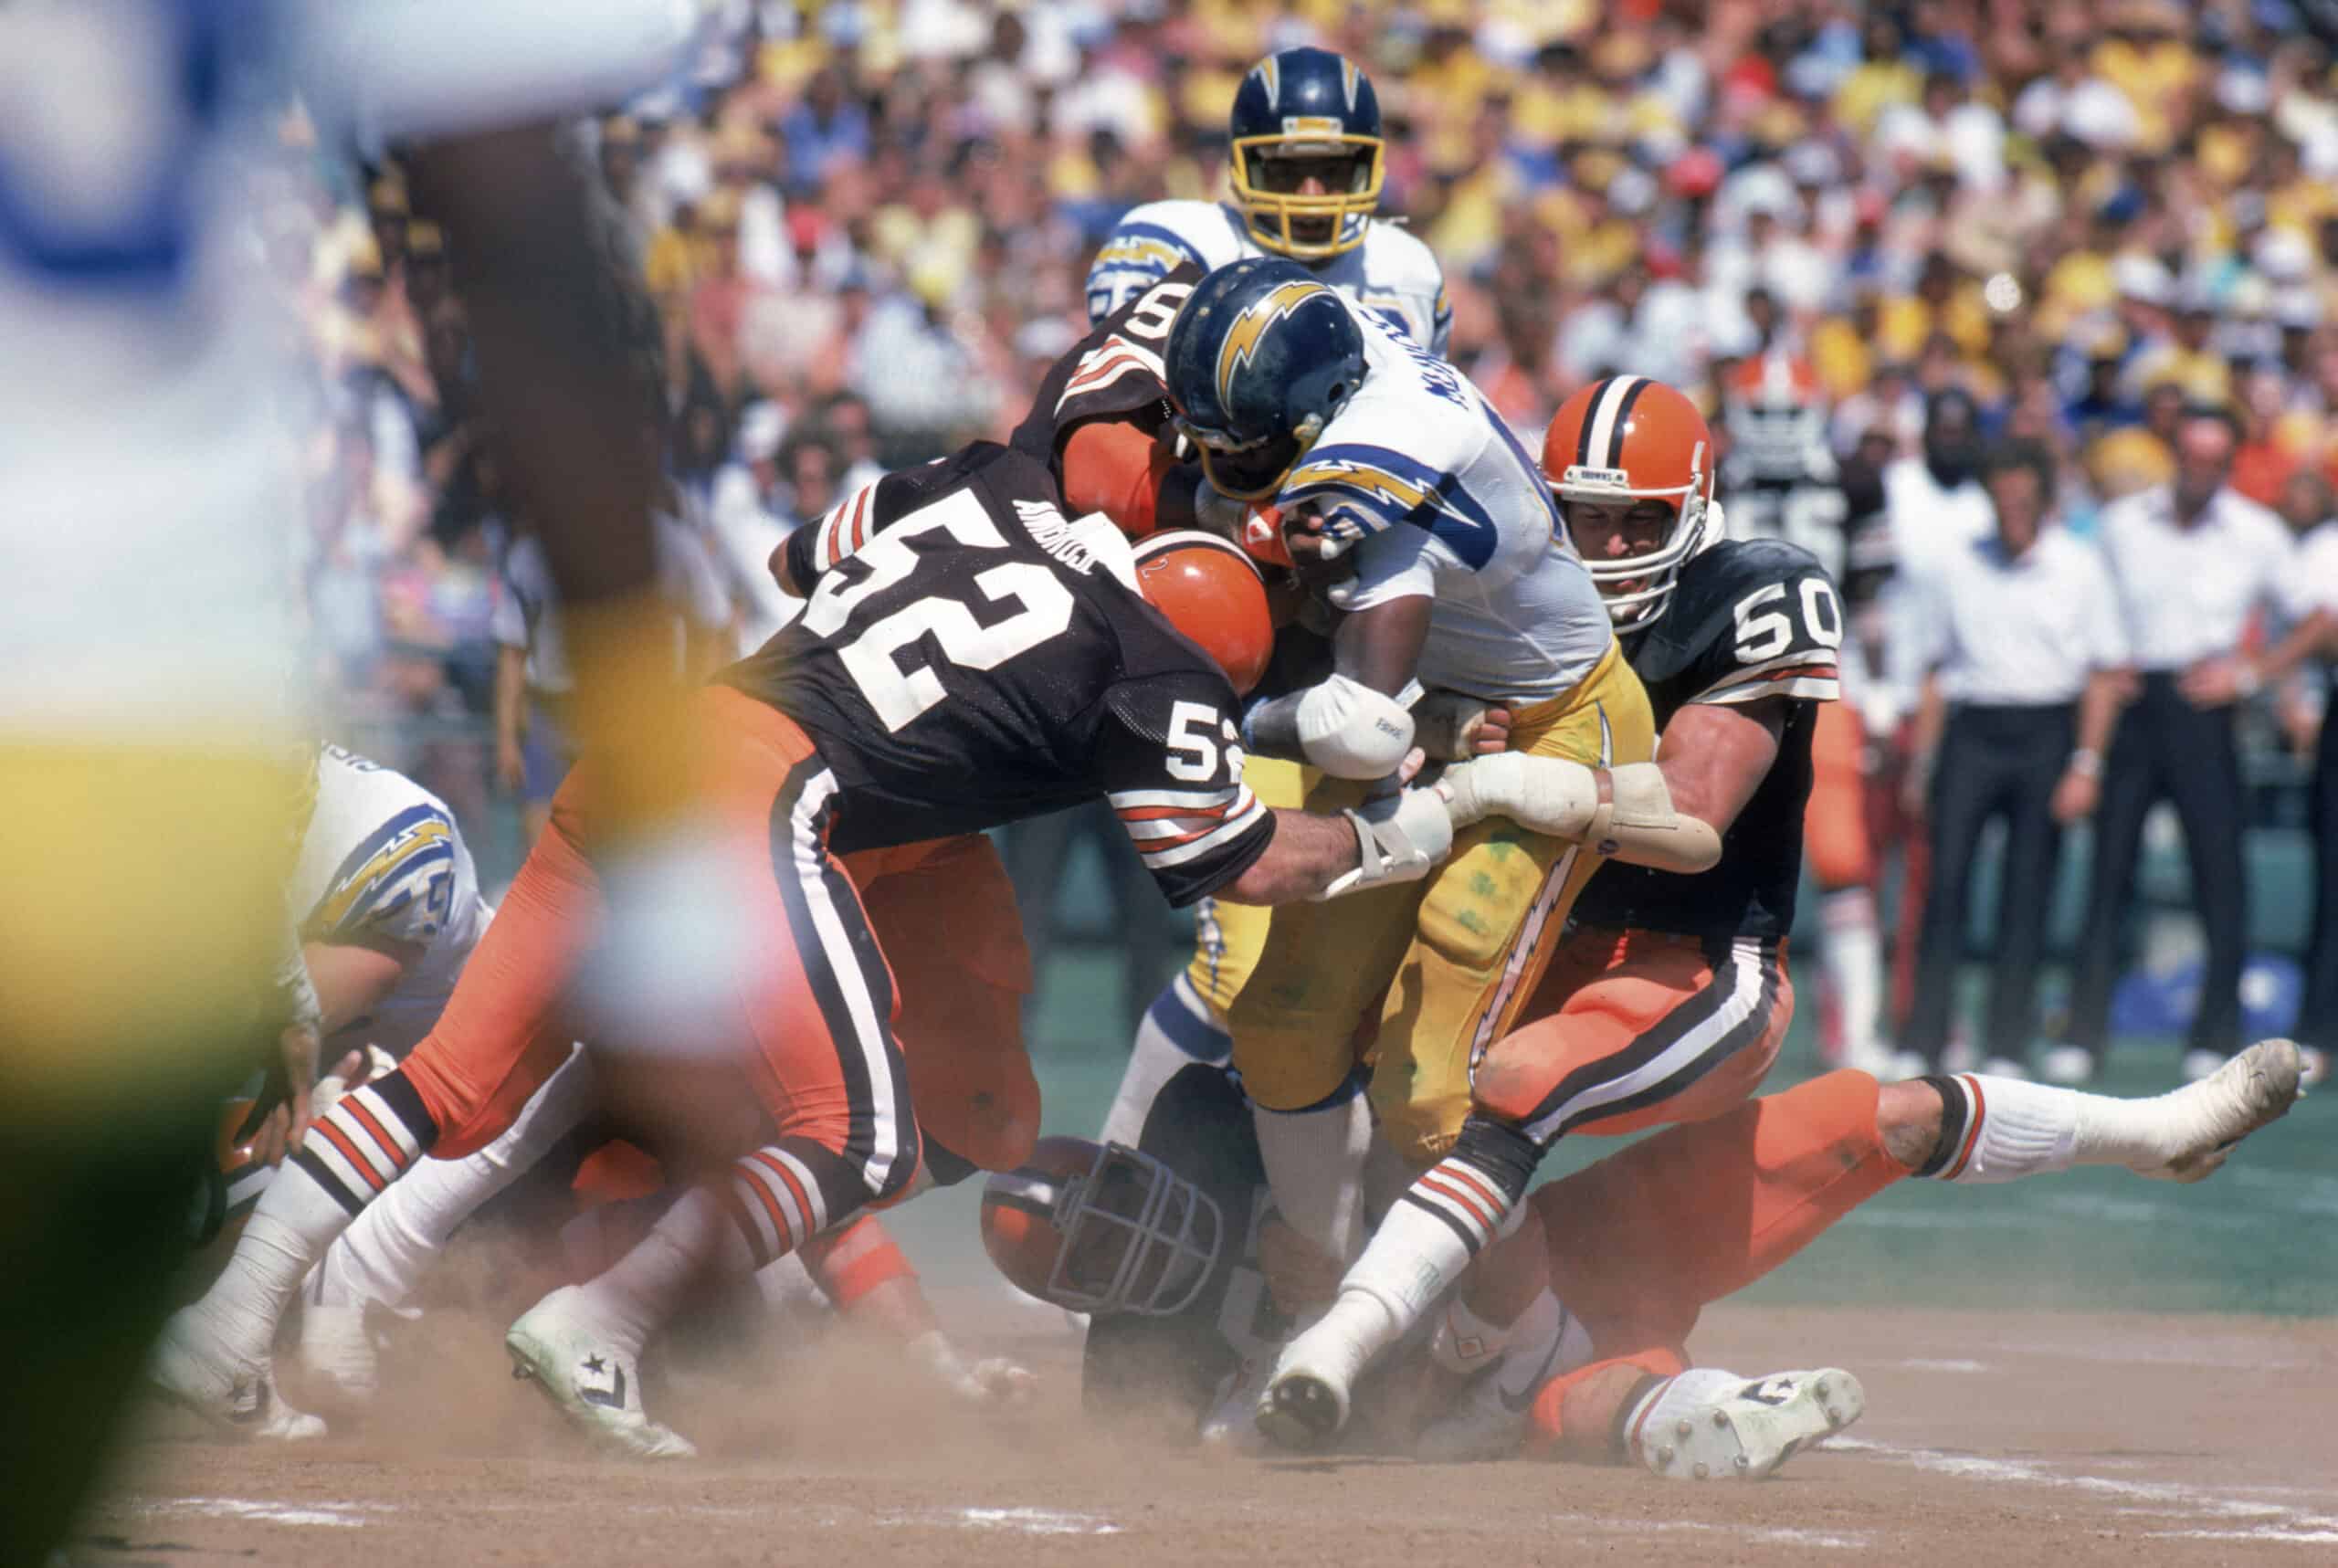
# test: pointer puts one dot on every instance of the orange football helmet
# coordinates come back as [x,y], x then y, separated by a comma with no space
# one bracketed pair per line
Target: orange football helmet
[1628,440]
[1211,592]
[1100,1227]
[1774,409]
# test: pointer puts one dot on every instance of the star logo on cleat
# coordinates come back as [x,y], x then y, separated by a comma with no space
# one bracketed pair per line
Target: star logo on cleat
[595,1365]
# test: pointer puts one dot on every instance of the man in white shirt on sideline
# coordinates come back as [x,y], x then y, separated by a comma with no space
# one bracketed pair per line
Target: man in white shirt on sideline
[2017,645]
[2315,590]
[2193,560]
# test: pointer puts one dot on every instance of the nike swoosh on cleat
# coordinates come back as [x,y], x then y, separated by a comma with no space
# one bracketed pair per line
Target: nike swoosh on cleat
[1549,1359]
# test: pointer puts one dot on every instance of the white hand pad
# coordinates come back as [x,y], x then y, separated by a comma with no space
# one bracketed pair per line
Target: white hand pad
[1352,732]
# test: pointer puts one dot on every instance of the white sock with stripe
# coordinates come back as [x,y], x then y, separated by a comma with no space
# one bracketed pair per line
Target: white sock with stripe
[353,1150]
[2003,1129]
[1420,1251]
[383,1256]
[1179,1029]
[634,1297]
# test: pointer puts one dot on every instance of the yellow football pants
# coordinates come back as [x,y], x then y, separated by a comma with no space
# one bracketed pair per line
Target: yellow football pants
[1444,964]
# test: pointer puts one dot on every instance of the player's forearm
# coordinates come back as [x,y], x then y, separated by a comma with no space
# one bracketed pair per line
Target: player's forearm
[352,981]
[1626,814]
[1307,855]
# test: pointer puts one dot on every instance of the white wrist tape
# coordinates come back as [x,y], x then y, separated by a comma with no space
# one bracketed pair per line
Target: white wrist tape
[1445,725]
[1352,732]
[1543,794]
[1643,830]
[1555,797]
[1399,838]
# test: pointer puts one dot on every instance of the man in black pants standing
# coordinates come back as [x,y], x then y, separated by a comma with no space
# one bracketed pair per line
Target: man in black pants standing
[2015,644]
[2193,560]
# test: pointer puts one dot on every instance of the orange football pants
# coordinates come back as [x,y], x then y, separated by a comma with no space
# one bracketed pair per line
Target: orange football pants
[945,913]
[1640,1242]
[807,1009]
[1630,1029]
[1835,835]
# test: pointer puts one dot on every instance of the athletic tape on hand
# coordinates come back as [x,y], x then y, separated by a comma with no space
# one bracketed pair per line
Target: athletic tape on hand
[1399,838]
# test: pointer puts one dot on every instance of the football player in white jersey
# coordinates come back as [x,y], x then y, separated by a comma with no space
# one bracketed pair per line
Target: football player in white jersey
[1307,167]
[1382,476]
[392,904]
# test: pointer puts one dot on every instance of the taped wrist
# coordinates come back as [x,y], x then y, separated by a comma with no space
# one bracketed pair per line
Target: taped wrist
[1352,732]
[1639,825]
[1399,838]
[1543,794]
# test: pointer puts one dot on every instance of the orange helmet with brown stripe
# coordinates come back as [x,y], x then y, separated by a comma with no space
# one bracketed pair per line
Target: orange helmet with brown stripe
[1635,457]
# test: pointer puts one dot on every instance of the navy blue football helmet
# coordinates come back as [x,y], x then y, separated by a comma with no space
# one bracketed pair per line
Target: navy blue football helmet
[1261,357]
[1302,117]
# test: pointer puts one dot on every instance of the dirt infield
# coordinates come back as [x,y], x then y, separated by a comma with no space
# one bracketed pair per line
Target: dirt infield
[2012,1438]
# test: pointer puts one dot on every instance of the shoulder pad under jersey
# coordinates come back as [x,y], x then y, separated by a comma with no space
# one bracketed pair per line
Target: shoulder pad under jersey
[1748,618]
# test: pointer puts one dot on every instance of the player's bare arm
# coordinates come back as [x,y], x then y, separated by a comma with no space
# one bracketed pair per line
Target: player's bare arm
[1714,756]
[351,980]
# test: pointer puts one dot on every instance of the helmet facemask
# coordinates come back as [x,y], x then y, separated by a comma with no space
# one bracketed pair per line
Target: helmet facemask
[1650,574]
[1252,469]
[1268,173]
[1137,1236]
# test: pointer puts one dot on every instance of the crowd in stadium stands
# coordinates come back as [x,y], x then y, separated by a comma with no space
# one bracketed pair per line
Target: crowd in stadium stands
[866,226]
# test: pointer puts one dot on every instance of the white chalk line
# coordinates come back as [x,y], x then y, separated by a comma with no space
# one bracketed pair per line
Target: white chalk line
[2269,1522]
[335,1515]
[1763,1535]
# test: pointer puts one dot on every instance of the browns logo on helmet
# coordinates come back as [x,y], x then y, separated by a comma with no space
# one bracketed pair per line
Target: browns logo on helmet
[1102,1228]
[1210,592]
[1628,445]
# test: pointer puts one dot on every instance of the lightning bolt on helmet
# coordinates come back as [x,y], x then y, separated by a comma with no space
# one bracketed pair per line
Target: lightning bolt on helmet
[1260,359]
[1628,440]
[1100,1227]
[1299,114]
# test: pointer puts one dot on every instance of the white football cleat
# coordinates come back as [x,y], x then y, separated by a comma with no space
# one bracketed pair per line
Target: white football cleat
[2207,1119]
[1746,1434]
[1306,1401]
[1489,1423]
[588,1378]
[190,1367]
[336,1347]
